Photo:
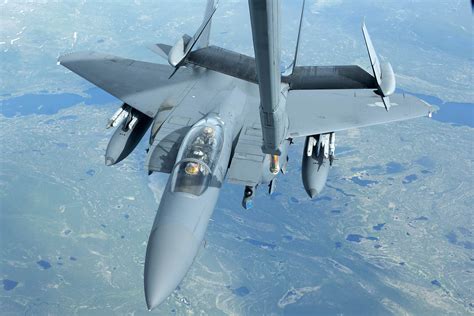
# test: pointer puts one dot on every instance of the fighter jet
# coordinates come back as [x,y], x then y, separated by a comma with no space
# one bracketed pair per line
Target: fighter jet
[217,115]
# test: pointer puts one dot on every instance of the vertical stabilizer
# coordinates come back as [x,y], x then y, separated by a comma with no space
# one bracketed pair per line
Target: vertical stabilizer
[374,60]
[177,53]
[204,39]
[181,49]
[383,73]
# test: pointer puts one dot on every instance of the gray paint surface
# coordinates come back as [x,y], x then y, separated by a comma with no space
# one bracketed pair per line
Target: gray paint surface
[232,91]
[264,16]
[321,111]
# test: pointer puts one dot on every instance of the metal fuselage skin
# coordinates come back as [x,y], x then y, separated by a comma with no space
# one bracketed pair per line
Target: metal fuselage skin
[182,218]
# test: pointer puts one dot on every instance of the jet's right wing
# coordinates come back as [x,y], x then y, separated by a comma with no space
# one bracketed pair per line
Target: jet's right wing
[144,86]
[313,112]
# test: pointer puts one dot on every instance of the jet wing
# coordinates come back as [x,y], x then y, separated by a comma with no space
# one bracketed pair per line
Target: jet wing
[144,86]
[313,112]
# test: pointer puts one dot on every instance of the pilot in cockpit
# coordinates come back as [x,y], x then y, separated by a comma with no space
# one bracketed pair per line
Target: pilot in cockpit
[200,150]
[192,168]
[207,136]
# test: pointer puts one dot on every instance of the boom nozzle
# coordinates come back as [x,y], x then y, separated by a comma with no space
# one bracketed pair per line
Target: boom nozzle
[275,164]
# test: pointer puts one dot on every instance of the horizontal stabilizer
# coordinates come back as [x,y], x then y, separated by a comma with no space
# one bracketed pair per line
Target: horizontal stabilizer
[161,49]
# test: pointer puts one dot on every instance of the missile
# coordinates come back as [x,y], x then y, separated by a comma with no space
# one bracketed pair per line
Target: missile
[131,127]
[119,116]
[317,157]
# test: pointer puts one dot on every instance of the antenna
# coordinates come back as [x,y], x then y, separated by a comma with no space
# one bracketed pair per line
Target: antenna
[298,38]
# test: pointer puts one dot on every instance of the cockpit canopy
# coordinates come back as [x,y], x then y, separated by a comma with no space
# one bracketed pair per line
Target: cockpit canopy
[197,157]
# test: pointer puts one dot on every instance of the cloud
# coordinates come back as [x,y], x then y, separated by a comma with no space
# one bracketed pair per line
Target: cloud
[322,4]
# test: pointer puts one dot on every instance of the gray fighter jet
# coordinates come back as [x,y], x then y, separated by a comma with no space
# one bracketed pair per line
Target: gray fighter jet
[218,115]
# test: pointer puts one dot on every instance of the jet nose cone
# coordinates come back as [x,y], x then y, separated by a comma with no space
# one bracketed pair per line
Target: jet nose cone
[109,161]
[170,252]
[312,193]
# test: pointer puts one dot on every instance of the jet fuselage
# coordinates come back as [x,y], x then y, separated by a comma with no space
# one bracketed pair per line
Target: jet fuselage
[191,192]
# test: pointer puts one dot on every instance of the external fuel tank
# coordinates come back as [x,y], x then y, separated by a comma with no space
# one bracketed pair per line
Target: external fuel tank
[132,125]
[317,157]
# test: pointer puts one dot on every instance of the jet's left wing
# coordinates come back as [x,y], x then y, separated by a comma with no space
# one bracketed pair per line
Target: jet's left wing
[313,112]
[144,86]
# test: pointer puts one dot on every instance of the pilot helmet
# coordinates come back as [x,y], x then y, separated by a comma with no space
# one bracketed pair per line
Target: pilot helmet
[208,131]
[198,153]
[192,168]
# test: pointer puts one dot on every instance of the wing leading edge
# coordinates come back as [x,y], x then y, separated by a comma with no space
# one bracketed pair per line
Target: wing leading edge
[313,112]
[144,86]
